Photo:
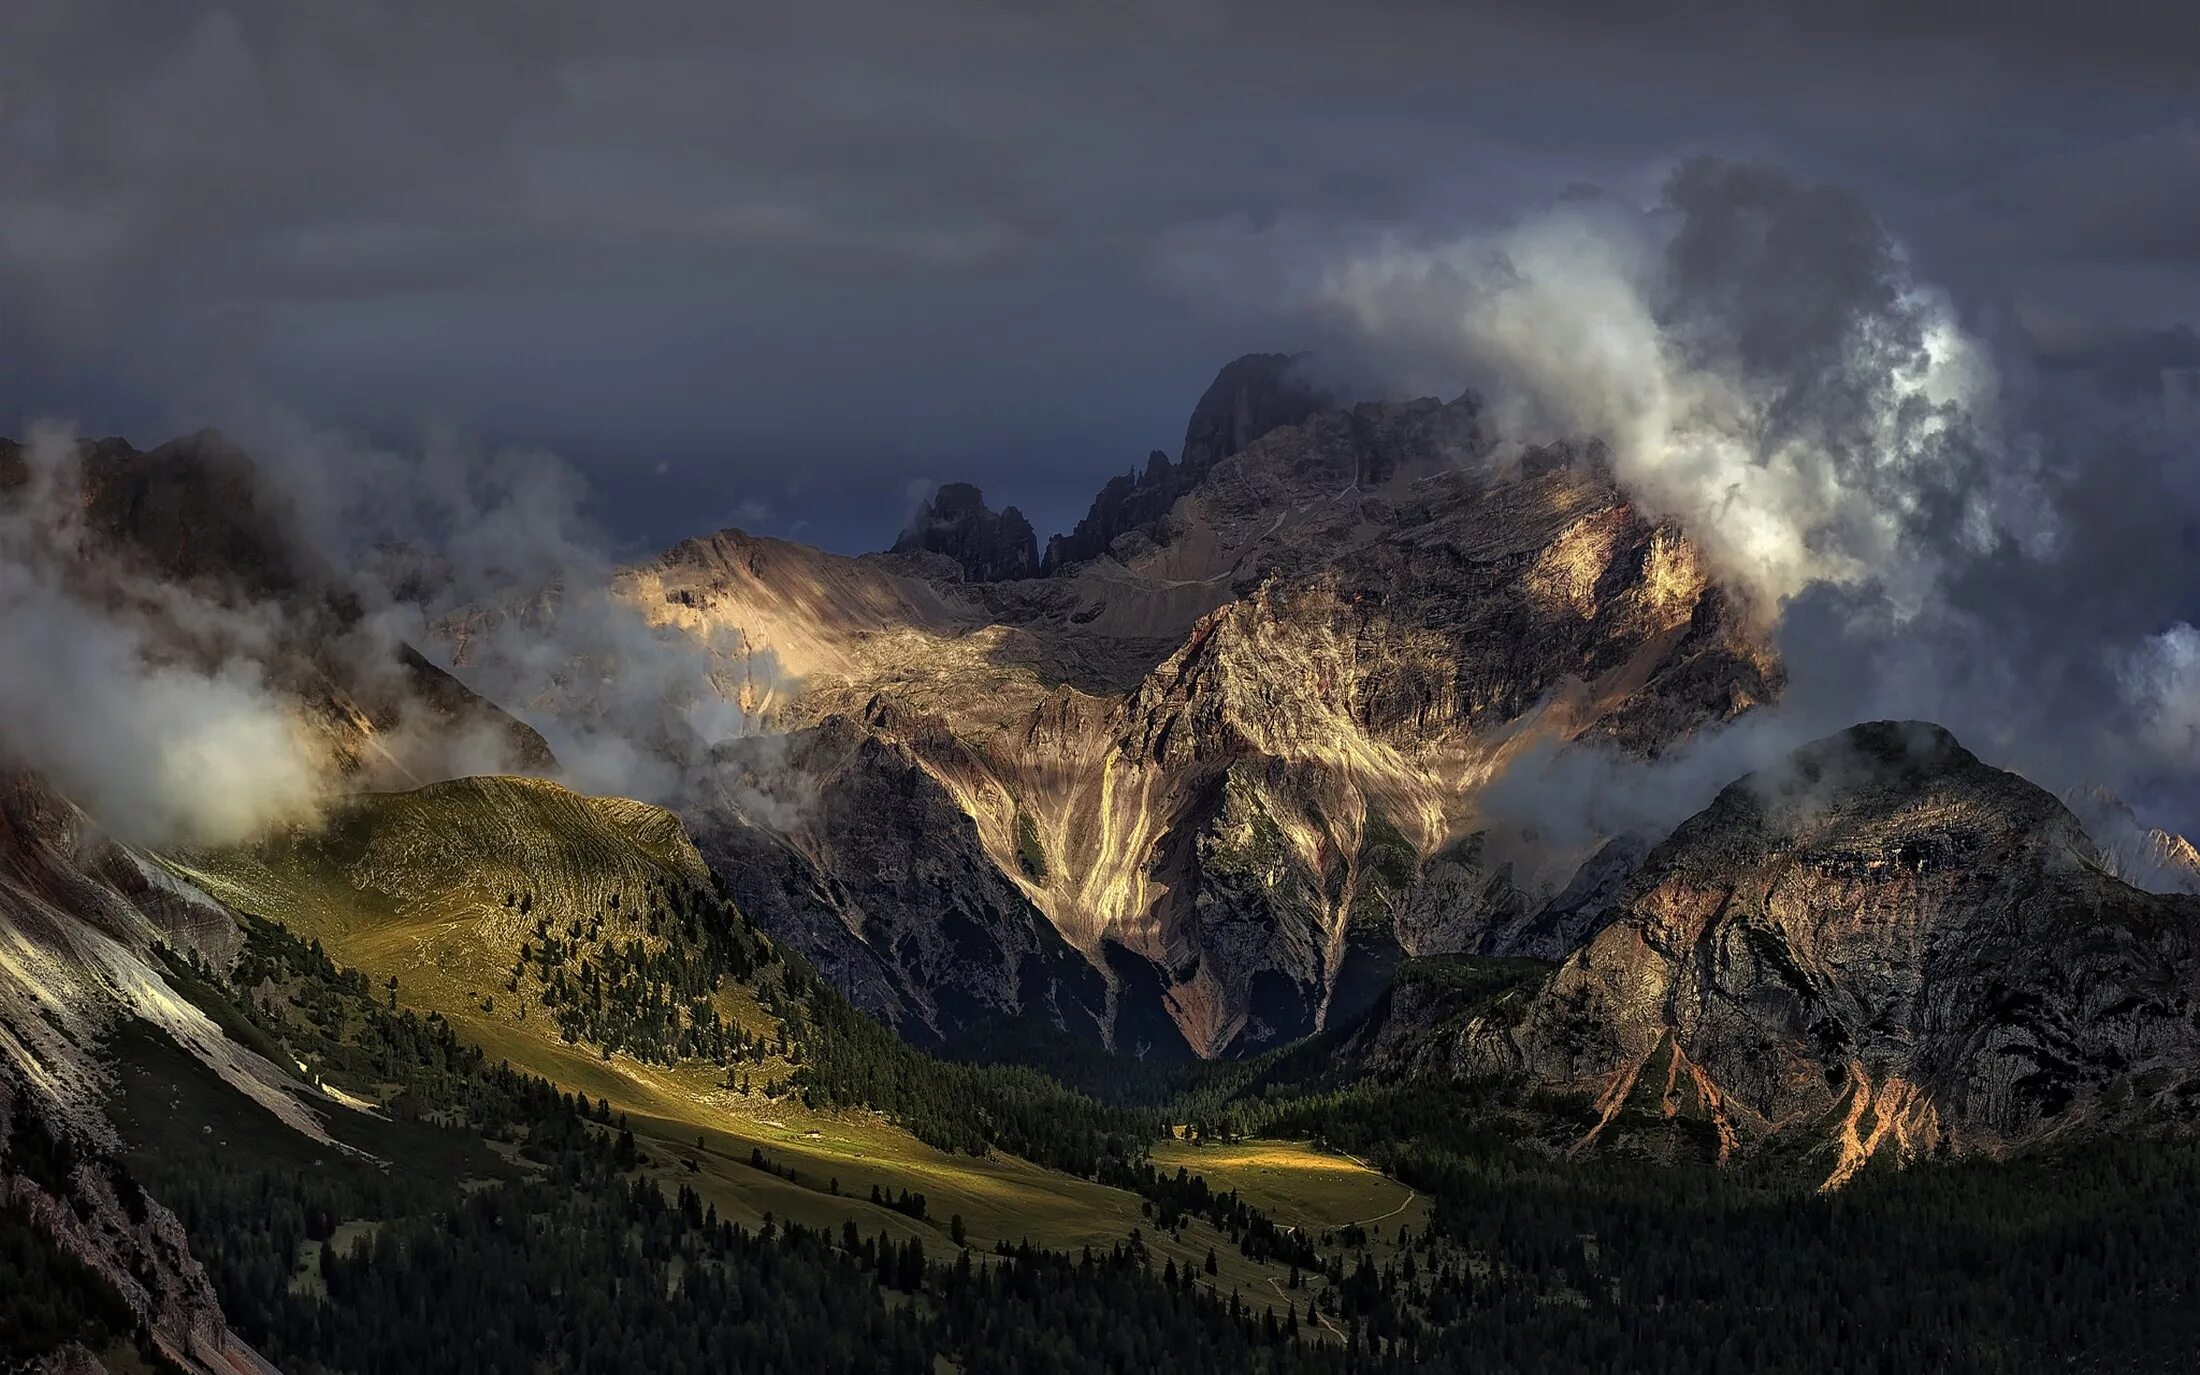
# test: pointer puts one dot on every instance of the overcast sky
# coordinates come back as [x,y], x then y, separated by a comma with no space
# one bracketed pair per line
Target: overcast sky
[772,265]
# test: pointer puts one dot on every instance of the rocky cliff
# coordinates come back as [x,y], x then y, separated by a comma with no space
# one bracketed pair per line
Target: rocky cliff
[1883,944]
[880,877]
[2141,855]
[988,546]
[1256,394]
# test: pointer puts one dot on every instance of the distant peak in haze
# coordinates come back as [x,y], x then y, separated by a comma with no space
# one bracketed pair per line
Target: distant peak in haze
[2141,855]
[1250,397]
[990,546]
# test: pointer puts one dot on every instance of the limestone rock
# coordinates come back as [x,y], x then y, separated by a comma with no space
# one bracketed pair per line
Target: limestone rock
[81,917]
[1251,397]
[873,871]
[987,546]
[1883,942]
[1231,766]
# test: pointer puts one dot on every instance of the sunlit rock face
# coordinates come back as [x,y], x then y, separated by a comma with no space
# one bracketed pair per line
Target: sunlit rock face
[881,878]
[1883,943]
[82,922]
[1233,762]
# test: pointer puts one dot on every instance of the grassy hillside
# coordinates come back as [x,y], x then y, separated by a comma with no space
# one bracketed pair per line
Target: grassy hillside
[1299,1184]
[1483,1243]
[495,1223]
[442,888]
[454,890]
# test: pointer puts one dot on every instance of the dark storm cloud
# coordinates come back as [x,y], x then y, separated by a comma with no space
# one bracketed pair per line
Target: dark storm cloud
[867,242]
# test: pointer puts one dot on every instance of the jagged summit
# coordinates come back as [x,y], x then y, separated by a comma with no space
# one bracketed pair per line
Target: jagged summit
[1251,397]
[193,509]
[987,546]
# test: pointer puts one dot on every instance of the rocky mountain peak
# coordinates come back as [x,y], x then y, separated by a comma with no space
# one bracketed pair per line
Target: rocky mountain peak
[1885,774]
[989,546]
[1883,941]
[1251,397]
[194,509]
[1226,765]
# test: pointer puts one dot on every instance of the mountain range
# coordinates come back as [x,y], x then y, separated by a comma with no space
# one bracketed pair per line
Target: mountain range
[1197,792]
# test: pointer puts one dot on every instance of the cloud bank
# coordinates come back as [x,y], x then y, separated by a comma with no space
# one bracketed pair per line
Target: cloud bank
[210,641]
[571,225]
[489,562]
[148,703]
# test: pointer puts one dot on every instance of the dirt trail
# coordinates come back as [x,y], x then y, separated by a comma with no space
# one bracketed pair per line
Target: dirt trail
[1381,1217]
[1311,1311]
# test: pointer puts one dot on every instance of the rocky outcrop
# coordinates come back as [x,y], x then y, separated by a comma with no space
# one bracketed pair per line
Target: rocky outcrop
[194,510]
[1578,911]
[191,510]
[1290,767]
[445,709]
[1253,396]
[1883,943]
[988,547]
[1250,397]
